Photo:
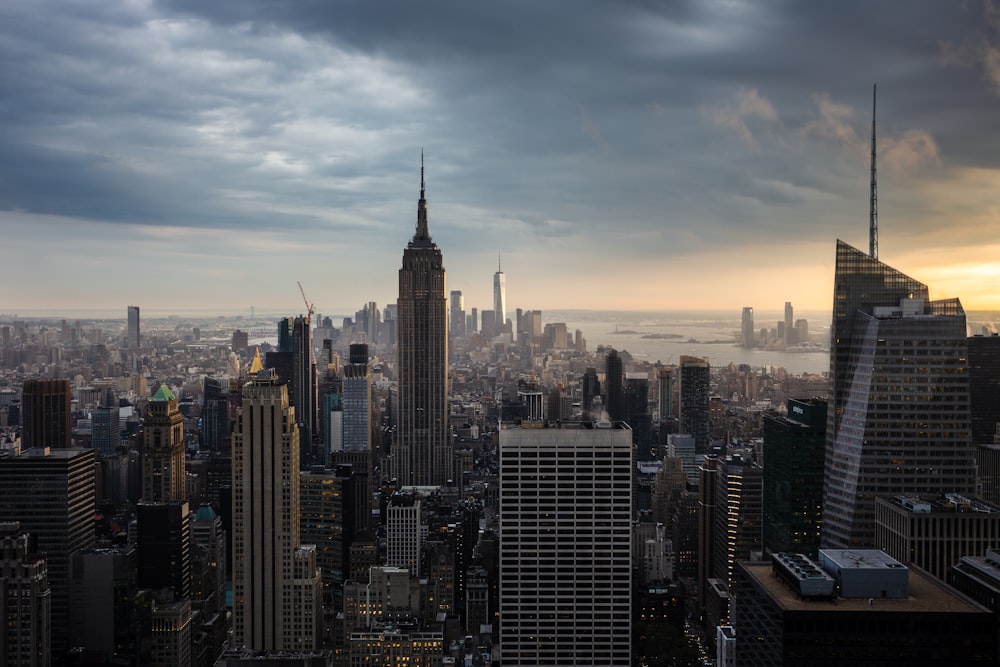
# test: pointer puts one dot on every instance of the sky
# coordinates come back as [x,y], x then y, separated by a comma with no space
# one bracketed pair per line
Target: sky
[639,155]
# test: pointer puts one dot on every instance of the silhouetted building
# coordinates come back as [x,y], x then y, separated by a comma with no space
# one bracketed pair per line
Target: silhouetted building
[163,547]
[894,359]
[132,340]
[591,389]
[984,388]
[695,379]
[52,494]
[303,386]
[614,390]
[422,452]
[45,414]
[637,414]
[794,455]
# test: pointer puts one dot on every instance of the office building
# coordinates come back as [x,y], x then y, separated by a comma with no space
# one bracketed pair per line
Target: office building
[163,547]
[216,424]
[271,570]
[856,607]
[45,414]
[637,414]
[457,318]
[51,493]
[984,388]
[934,532]
[794,455]
[304,387]
[565,556]
[105,425]
[132,340]
[614,389]
[708,476]
[422,452]
[746,328]
[500,299]
[104,583]
[899,419]
[357,401]
[695,378]
[25,600]
[738,491]
[163,471]
[790,338]
[404,532]
[591,390]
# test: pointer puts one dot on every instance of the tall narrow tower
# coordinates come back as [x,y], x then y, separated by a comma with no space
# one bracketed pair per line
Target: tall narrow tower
[873,192]
[163,473]
[132,339]
[423,452]
[277,587]
[499,298]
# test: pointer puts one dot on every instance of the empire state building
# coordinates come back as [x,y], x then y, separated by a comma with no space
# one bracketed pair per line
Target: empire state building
[423,452]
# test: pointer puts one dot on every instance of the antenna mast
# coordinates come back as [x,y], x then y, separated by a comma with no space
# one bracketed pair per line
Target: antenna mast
[873,204]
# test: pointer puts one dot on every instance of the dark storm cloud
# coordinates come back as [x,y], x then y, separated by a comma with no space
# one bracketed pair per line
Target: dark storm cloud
[676,127]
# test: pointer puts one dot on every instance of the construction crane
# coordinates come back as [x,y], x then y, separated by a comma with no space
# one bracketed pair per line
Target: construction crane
[309,306]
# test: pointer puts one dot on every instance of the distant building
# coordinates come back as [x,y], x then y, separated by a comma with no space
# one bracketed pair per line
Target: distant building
[499,300]
[457,314]
[132,340]
[790,337]
[746,328]
[614,389]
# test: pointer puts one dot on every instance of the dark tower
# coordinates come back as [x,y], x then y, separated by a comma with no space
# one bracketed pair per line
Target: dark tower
[423,455]
[614,375]
[873,204]
[45,414]
[591,390]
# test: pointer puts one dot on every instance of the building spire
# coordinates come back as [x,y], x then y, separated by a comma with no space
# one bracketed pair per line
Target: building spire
[422,234]
[873,203]
[499,270]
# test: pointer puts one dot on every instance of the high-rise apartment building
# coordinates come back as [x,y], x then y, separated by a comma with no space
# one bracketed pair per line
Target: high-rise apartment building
[746,328]
[132,340]
[51,492]
[45,414]
[357,401]
[695,378]
[500,300]
[273,604]
[565,556]
[422,452]
[163,472]
[304,384]
[899,419]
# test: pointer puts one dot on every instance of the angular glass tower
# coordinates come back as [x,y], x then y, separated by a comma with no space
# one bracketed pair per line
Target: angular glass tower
[898,422]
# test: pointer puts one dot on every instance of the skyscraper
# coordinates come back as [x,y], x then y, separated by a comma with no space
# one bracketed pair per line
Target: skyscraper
[789,327]
[695,376]
[499,299]
[357,405]
[899,419]
[163,473]
[132,338]
[304,385]
[614,389]
[565,556]
[25,638]
[457,321]
[746,328]
[52,494]
[276,584]
[422,455]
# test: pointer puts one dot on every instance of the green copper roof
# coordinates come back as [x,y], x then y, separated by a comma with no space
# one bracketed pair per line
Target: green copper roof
[205,513]
[163,394]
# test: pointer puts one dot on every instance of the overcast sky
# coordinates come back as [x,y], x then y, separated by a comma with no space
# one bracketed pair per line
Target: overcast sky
[631,155]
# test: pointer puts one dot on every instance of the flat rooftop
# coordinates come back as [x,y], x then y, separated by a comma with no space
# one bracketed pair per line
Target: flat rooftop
[926,595]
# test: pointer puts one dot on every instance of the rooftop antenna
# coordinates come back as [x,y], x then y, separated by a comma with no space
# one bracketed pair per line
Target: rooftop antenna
[499,270]
[873,204]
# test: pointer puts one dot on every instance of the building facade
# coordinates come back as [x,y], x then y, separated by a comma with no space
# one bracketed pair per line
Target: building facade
[163,471]
[45,414]
[565,548]
[422,452]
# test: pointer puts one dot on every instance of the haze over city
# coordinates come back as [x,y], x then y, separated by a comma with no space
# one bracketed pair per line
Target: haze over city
[638,156]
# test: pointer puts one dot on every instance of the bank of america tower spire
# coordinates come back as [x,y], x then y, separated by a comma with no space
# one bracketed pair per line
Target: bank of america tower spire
[422,453]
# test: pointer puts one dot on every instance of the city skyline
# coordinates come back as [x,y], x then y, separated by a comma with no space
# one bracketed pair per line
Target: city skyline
[251,145]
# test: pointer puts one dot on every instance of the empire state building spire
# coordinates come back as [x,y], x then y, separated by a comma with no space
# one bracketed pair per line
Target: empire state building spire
[422,235]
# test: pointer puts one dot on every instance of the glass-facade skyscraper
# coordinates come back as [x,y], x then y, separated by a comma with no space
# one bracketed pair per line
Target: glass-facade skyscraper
[899,418]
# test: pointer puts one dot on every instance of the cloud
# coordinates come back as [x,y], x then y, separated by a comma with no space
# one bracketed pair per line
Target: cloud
[749,105]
